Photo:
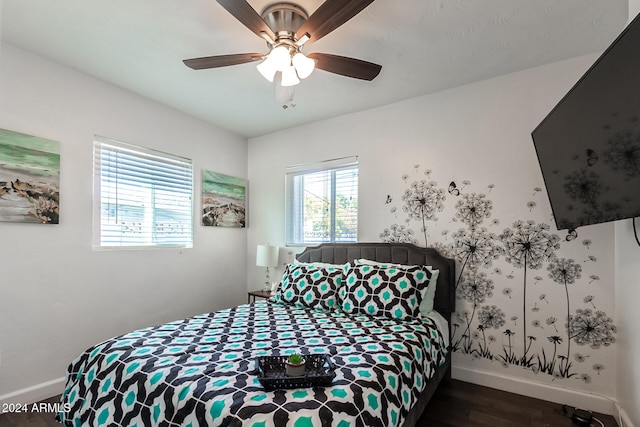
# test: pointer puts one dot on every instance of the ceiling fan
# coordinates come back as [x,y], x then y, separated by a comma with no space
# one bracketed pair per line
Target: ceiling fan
[286,27]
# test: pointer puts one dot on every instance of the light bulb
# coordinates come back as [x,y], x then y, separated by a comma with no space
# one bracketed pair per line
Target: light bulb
[304,66]
[280,57]
[289,76]
[267,68]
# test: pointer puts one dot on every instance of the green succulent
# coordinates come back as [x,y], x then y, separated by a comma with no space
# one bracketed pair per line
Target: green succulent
[295,359]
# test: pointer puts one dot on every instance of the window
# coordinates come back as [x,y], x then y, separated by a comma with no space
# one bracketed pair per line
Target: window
[142,197]
[322,202]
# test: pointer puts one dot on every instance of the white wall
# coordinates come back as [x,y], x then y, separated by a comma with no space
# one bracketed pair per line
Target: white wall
[57,295]
[479,137]
[627,313]
[628,319]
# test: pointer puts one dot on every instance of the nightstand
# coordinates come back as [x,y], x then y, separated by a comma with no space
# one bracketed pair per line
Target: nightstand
[258,294]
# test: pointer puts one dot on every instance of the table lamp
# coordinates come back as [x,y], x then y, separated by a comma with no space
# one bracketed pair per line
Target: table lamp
[267,256]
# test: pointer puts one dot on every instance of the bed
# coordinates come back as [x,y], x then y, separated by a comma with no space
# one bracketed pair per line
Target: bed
[389,354]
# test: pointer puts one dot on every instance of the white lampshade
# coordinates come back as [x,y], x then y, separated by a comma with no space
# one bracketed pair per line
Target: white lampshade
[289,77]
[267,256]
[280,57]
[304,66]
[267,68]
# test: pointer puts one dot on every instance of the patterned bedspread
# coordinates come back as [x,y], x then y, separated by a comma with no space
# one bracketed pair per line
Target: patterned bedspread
[198,371]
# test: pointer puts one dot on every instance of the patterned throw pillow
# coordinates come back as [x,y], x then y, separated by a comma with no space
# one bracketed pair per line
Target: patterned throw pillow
[309,285]
[428,293]
[383,291]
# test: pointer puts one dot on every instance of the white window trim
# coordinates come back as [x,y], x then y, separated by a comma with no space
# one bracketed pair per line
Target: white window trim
[97,197]
[309,168]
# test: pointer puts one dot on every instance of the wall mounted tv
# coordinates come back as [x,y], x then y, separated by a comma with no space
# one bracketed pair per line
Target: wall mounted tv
[588,146]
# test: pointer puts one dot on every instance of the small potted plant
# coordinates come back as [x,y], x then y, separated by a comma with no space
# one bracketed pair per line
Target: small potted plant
[295,365]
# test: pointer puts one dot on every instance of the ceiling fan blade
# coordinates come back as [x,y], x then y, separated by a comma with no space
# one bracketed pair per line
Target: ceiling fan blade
[221,60]
[330,15]
[248,16]
[345,66]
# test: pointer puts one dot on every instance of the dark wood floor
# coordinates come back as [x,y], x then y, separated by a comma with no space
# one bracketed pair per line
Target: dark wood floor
[456,404]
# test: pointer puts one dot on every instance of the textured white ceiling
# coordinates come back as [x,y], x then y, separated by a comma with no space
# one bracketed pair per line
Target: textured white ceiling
[423,46]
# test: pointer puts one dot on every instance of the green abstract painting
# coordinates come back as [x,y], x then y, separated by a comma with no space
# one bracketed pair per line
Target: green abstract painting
[29,178]
[223,200]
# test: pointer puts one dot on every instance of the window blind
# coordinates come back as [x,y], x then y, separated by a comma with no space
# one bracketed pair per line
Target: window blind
[322,202]
[142,197]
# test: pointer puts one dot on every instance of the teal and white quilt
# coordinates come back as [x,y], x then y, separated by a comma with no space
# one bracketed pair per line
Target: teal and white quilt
[199,371]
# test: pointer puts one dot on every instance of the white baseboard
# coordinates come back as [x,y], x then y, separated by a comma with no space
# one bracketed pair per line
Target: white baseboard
[623,418]
[552,393]
[35,393]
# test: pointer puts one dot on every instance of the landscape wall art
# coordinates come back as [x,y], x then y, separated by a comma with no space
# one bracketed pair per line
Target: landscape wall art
[29,178]
[223,200]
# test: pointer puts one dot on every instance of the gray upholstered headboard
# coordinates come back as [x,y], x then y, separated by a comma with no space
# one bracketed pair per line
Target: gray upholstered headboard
[398,253]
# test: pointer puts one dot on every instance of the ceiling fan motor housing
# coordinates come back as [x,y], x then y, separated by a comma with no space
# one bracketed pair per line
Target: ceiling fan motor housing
[284,18]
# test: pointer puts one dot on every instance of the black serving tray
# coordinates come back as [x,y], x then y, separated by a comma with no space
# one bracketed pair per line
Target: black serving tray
[271,371]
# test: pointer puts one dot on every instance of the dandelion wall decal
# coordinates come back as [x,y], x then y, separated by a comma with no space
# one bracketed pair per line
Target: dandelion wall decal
[593,328]
[473,209]
[398,234]
[475,288]
[421,202]
[528,245]
[549,366]
[475,248]
[565,271]
[598,368]
[589,300]
[580,358]
[491,317]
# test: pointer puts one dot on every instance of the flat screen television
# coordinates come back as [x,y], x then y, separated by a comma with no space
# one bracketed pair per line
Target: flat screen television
[588,146]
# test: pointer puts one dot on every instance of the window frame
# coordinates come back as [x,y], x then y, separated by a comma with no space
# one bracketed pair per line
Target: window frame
[294,203]
[103,146]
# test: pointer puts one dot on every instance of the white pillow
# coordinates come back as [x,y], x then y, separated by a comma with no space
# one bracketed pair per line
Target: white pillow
[319,264]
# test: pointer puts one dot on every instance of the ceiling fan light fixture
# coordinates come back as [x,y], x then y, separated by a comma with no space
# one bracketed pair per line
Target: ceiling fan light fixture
[304,65]
[280,57]
[290,77]
[286,28]
[267,68]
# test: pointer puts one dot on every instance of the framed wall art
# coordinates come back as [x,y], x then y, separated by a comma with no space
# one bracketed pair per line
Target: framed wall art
[223,200]
[29,178]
